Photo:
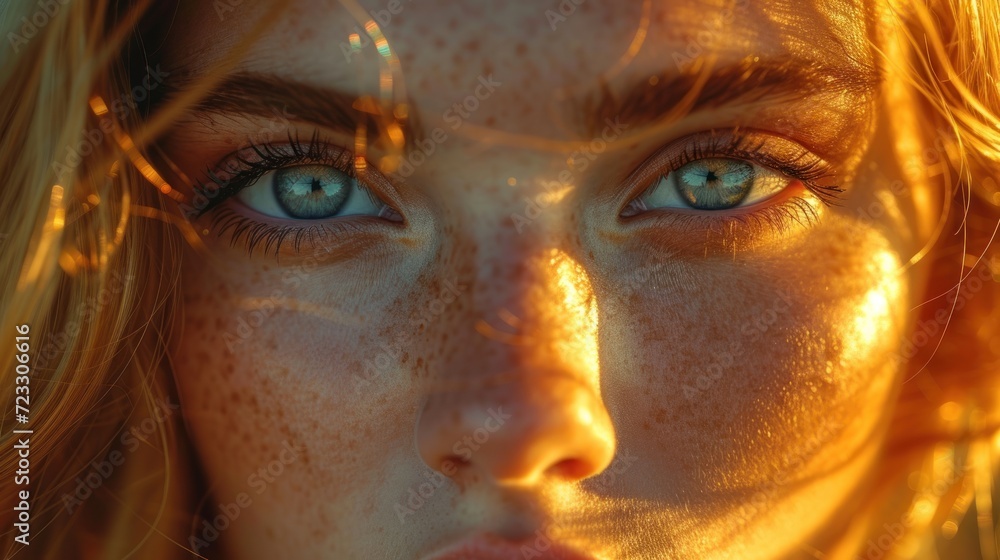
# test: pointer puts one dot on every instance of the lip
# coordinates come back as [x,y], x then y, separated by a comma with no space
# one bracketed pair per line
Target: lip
[490,547]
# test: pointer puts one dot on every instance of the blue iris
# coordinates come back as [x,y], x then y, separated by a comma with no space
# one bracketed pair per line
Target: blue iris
[715,183]
[311,192]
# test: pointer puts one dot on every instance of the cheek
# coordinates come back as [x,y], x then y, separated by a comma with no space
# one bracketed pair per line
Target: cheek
[772,366]
[266,364]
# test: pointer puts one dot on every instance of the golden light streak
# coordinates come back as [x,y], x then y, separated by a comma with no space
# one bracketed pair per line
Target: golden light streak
[98,106]
[556,196]
[874,316]
[55,220]
[144,167]
[360,145]
[123,219]
[395,134]
[983,487]
[636,45]
[577,346]
[186,229]
[319,311]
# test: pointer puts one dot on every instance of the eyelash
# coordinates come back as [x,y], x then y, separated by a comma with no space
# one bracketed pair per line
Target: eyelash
[806,168]
[244,172]
[757,219]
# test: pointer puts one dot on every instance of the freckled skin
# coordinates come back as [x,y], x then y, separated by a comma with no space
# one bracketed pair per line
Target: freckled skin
[747,374]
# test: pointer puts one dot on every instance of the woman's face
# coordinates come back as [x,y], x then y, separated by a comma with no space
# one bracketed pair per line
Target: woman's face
[602,303]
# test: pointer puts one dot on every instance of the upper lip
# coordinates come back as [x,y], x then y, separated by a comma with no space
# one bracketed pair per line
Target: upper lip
[490,547]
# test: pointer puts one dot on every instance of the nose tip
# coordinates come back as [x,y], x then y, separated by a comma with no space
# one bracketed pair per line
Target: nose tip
[518,433]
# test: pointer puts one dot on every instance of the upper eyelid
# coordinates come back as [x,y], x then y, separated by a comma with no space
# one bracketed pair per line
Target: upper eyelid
[809,167]
[318,151]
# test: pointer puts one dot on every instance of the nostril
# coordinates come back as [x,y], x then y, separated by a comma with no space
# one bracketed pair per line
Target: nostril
[572,469]
[451,465]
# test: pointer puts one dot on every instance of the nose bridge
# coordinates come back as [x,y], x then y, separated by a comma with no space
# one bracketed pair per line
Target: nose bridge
[538,313]
[520,395]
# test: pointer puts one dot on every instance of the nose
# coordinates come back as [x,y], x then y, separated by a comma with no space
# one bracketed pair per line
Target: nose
[519,400]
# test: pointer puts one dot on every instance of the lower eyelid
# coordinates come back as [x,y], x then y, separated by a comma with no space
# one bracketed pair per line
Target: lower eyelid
[710,232]
[295,239]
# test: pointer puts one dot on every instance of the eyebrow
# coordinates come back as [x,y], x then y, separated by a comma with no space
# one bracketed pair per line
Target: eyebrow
[264,95]
[647,102]
[661,96]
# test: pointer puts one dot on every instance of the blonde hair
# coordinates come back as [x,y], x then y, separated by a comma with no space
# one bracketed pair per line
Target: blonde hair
[91,253]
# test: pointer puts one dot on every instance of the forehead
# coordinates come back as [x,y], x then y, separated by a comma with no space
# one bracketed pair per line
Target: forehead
[535,49]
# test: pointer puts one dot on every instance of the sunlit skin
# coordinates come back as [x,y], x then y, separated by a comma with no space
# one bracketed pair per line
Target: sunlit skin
[677,385]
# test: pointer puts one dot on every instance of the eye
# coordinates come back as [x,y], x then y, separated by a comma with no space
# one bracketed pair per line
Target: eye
[714,184]
[309,192]
[715,171]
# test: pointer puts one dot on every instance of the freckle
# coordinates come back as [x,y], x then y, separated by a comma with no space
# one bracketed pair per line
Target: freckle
[660,416]
[472,46]
[520,49]
[452,24]
[490,121]
[439,42]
